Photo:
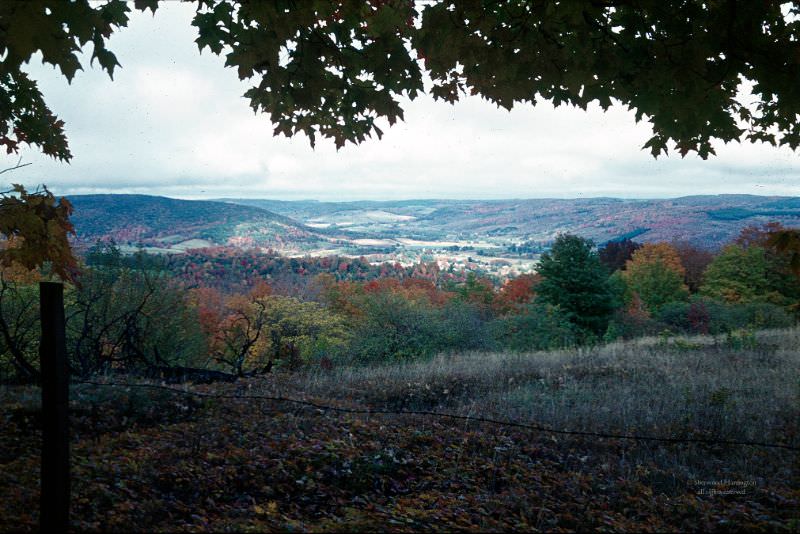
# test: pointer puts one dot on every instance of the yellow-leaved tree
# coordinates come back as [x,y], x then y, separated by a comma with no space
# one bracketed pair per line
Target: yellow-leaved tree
[655,274]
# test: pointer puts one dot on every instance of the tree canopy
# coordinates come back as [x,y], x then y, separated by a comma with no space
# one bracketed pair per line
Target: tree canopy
[335,69]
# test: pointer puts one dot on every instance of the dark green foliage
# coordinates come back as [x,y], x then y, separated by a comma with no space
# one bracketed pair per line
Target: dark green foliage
[333,69]
[576,282]
[463,327]
[737,214]
[477,291]
[708,316]
[766,315]
[395,328]
[535,327]
[626,325]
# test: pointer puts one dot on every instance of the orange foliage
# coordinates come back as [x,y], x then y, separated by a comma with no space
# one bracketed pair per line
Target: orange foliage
[426,288]
[636,310]
[14,271]
[517,291]
[656,252]
[414,289]
[340,296]
[220,315]
[344,296]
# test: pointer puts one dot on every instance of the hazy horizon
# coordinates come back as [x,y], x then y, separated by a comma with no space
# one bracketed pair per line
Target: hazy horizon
[426,199]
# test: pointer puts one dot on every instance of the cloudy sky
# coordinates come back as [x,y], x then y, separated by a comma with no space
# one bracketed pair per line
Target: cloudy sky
[173,123]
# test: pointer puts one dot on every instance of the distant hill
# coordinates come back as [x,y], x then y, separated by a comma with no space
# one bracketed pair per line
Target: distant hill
[160,222]
[371,227]
[707,220]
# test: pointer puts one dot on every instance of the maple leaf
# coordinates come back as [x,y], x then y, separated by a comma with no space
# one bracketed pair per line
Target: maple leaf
[38,225]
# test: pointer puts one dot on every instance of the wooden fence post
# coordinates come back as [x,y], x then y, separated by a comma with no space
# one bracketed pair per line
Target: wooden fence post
[55,484]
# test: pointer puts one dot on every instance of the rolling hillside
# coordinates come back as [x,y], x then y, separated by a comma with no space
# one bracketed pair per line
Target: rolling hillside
[706,221]
[172,224]
[416,230]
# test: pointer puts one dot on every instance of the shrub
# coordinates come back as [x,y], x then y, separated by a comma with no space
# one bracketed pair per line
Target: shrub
[708,316]
[765,315]
[462,327]
[631,322]
[536,327]
[391,327]
[127,318]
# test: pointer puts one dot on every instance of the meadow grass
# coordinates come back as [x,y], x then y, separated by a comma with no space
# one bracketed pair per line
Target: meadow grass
[744,386]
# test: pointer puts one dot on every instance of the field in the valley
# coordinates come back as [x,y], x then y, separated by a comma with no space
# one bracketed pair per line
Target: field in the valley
[144,458]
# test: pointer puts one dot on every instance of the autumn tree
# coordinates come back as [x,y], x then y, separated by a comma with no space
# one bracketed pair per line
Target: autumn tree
[36,227]
[340,296]
[694,261]
[337,69]
[656,275]
[236,330]
[615,254]
[783,269]
[300,332]
[256,331]
[656,252]
[476,290]
[738,274]
[574,280]
[516,292]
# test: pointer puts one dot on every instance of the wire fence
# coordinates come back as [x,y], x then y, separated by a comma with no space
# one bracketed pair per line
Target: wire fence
[444,415]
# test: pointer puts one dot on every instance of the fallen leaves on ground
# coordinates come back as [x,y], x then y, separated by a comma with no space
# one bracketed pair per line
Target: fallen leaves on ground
[230,465]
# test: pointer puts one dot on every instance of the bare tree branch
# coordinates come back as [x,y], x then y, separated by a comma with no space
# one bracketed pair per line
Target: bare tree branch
[19,165]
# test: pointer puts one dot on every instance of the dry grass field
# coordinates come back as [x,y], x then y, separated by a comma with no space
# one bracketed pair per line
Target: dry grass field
[146,458]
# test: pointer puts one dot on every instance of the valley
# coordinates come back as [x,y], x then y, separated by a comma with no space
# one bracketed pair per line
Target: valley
[499,237]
